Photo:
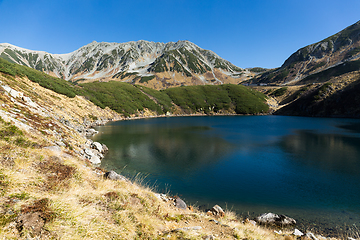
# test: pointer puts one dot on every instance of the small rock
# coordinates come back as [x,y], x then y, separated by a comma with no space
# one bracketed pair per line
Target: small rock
[88,152]
[179,203]
[298,233]
[105,148]
[90,132]
[216,211]
[196,228]
[95,160]
[250,221]
[311,236]
[60,143]
[215,221]
[114,176]
[209,237]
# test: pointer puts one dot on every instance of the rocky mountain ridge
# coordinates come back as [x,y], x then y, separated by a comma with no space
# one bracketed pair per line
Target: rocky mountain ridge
[153,64]
[331,52]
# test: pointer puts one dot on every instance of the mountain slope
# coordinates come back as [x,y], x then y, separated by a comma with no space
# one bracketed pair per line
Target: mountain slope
[335,50]
[134,100]
[157,65]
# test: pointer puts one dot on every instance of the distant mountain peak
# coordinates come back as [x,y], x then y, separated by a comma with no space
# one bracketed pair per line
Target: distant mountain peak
[155,64]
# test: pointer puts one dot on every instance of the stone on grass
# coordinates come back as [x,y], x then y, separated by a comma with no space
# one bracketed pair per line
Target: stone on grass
[114,176]
[216,211]
[179,203]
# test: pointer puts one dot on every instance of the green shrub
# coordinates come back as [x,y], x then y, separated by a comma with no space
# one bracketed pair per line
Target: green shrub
[9,131]
[214,98]
[121,97]
[146,79]
[279,92]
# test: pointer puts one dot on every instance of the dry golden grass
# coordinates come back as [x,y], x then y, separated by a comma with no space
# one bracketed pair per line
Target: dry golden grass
[71,196]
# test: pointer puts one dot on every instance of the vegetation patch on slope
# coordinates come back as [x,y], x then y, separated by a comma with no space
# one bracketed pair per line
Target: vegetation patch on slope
[211,98]
[55,84]
[121,97]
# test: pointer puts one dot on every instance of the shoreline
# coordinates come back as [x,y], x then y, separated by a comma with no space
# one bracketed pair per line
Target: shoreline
[322,229]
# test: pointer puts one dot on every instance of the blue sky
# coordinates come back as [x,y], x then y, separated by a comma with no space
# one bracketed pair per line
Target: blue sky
[248,33]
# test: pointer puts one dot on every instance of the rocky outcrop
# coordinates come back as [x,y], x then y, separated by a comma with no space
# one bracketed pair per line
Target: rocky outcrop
[275,219]
[216,211]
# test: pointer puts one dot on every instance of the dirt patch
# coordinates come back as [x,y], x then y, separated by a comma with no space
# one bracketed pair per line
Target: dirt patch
[57,174]
[33,218]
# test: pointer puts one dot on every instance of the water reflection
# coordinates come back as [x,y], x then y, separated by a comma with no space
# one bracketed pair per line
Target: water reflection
[353,127]
[308,168]
[158,149]
[329,152]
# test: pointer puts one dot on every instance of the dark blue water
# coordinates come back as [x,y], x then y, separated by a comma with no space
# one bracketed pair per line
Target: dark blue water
[306,168]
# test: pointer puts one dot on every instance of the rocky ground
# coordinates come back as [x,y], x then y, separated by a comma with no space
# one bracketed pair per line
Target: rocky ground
[50,187]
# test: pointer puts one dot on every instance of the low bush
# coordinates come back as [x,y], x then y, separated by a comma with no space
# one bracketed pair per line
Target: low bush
[279,92]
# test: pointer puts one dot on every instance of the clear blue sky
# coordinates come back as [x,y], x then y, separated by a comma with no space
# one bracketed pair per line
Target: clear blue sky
[248,33]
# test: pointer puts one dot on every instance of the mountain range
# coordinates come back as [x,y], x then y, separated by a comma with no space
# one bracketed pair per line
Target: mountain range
[153,64]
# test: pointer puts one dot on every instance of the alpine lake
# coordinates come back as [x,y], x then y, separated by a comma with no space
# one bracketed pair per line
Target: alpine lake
[304,168]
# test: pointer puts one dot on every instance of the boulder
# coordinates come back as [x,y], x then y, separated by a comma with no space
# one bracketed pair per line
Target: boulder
[88,152]
[179,203]
[114,176]
[216,211]
[97,146]
[275,219]
[90,132]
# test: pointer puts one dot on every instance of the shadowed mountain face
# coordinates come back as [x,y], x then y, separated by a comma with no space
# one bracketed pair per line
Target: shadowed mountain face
[157,65]
[335,50]
[324,101]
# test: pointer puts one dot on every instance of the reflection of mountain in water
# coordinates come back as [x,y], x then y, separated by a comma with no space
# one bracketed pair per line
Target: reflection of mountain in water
[152,149]
[329,152]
